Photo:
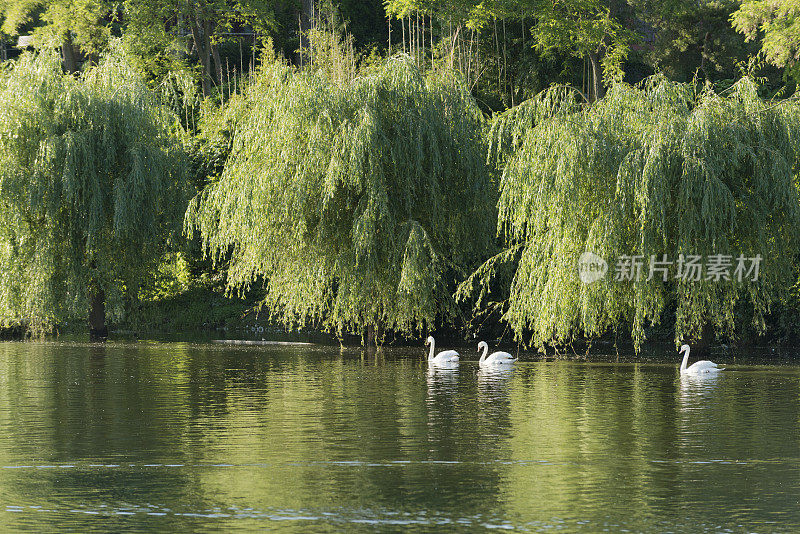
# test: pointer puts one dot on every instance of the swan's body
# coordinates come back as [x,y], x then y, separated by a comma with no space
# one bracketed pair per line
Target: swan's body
[444,358]
[702,367]
[494,359]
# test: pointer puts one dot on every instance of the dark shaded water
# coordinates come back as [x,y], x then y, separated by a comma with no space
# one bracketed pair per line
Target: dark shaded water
[179,437]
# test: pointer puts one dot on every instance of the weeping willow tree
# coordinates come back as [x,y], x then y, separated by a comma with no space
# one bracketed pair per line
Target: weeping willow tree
[654,175]
[91,188]
[355,200]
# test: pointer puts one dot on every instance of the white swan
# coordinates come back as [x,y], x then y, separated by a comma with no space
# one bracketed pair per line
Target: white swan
[495,358]
[444,358]
[697,368]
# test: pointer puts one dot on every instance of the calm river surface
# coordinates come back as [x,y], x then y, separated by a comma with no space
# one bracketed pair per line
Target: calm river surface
[179,437]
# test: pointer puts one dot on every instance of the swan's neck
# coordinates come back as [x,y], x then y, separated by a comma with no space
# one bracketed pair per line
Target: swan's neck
[430,355]
[685,360]
[485,352]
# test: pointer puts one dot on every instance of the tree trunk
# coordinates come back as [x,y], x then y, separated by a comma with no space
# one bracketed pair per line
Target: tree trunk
[704,56]
[403,26]
[432,48]
[306,23]
[597,88]
[202,43]
[97,314]
[68,55]
[217,62]
[373,334]
[214,49]
[371,338]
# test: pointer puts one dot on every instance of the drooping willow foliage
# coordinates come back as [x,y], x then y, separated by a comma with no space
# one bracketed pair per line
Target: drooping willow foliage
[355,201]
[657,169]
[91,187]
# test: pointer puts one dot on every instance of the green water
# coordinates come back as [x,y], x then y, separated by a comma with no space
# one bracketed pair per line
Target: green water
[203,438]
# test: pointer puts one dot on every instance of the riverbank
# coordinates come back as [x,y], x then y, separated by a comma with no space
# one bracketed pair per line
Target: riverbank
[204,312]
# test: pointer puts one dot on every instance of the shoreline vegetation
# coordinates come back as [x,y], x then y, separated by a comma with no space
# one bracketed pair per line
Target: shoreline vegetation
[446,174]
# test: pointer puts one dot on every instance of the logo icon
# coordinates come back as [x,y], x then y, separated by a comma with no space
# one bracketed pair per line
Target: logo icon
[591,267]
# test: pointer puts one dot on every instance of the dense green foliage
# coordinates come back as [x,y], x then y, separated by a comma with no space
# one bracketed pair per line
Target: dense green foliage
[688,37]
[659,169]
[355,177]
[779,22]
[82,22]
[91,187]
[352,198]
[506,50]
[164,33]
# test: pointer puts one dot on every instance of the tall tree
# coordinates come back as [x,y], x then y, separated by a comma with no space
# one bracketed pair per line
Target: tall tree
[195,27]
[355,201]
[592,29]
[73,25]
[91,189]
[652,176]
[689,37]
[779,23]
[587,28]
